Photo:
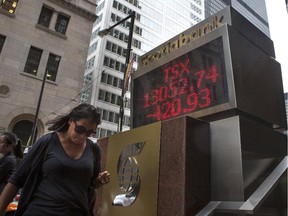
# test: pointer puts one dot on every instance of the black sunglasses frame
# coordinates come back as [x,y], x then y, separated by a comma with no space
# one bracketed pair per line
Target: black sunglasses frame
[79,129]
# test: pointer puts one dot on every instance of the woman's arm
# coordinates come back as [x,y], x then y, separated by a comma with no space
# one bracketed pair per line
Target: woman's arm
[7,196]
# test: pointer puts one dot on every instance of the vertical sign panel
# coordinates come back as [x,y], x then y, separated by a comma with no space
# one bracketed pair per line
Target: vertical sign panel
[133,161]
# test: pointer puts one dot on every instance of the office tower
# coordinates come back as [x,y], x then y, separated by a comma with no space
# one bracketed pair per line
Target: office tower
[254,11]
[39,37]
[156,21]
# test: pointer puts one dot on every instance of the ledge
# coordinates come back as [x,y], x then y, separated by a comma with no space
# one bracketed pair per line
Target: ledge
[37,78]
[50,31]
[76,9]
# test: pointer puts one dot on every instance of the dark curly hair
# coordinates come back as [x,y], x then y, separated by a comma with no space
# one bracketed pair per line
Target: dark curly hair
[82,111]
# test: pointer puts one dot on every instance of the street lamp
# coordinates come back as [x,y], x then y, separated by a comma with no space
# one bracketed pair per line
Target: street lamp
[33,133]
[104,32]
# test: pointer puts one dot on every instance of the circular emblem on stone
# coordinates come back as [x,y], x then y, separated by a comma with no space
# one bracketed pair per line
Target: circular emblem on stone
[128,175]
[4,90]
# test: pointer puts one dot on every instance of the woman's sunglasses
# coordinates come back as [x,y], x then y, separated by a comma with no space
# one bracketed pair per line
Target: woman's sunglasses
[79,129]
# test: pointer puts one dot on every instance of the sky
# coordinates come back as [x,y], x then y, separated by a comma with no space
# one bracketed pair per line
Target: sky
[278,24]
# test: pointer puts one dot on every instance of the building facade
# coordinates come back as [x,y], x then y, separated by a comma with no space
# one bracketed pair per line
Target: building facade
[41,36]
[255,11]
[155,22]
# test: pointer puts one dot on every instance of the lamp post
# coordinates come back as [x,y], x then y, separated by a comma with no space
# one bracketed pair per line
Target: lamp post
[104,32]
[33,133]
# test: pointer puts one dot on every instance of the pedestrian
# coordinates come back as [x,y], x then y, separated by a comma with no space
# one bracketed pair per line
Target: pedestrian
[7,159]
[61,170]
[17,151]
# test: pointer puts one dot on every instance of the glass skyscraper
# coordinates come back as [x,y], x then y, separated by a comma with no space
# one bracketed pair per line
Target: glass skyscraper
[254,11]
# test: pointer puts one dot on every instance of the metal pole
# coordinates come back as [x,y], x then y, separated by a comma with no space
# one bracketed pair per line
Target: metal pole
[129,43]
[131,15]
[37,109]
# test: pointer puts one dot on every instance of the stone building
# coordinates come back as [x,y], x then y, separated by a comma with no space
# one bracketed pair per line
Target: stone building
[41,36]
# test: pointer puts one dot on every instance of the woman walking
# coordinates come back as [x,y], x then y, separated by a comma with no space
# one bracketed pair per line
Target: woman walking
[62,169]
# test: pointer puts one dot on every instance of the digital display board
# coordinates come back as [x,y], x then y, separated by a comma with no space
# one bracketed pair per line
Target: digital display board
[189,83]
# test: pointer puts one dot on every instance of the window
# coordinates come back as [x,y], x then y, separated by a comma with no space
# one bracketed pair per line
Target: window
[116,49]
[105,115]
[9,5]
[99,7]
[61,23]
[101,132]
[92,48]
[103,77]
[45,19]
[113,99]
[98,20]
[106,61]
[117,65]
[107,96]
[45,16]
[108,45]
[119,50]
[101,95]
[110,116]
[109,133]
[2,40]
[110,78]
[113,64]
[52,66]
[115,82]
[33,61]
[95,33]
[90,63]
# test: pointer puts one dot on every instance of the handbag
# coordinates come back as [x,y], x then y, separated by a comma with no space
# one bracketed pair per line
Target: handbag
[91,191]
[32,178]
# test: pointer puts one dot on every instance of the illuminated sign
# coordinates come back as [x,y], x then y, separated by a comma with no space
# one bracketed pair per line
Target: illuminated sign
[191,82]
[182,40]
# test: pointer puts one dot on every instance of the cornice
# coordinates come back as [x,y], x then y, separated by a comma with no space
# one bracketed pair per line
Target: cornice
[75,9]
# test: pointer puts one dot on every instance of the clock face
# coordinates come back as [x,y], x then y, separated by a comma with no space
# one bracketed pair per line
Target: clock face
[189,83]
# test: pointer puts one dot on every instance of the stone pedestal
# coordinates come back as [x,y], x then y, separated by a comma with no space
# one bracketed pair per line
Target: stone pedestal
[248,169]
[184,175]
[173,169]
